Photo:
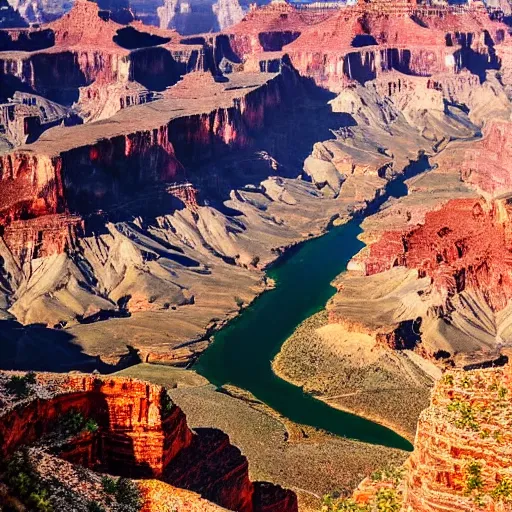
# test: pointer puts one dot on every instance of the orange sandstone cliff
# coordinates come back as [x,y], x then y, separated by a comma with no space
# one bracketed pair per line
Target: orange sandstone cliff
[462,458]
[138,433]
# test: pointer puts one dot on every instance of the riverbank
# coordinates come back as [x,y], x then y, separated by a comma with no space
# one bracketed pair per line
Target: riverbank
[349,372]
[308,461]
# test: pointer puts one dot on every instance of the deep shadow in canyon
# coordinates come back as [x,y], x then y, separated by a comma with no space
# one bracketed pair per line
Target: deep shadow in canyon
[39,348]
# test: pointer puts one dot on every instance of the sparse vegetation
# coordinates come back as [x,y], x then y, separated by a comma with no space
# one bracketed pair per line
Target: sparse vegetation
[239,301]
[387,501]
[26,484]
[166,405]
[94,506]
[124,490]
[74,422]
[448,379]
[19,386]
[128,494]
[465,415]
[474,481]
[109,485]
[394,475]
[91,426]
[503,491]
[331,503]
[466,382]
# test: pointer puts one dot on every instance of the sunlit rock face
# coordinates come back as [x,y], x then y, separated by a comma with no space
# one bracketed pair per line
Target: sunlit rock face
[362,42]
[140,434]
[188,16]
[461,458]
[463,246]
[449,450]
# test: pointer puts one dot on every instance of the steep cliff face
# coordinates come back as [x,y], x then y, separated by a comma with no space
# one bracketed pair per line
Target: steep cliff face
[36,185]
[139,438]
[465,245]
[486,165]
[461,459]
[139,434]
[83,48]
[362,42]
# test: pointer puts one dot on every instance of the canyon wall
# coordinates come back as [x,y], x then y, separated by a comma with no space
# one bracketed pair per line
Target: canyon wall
[140,434]
[362,42]
[44,185]
[461,459]
[83,48]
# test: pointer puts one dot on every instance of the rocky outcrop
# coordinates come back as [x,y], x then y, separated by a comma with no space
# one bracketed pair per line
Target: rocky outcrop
[154,151]
[140,433]
[461,460]
[83,47]
[451,249]
[362,42]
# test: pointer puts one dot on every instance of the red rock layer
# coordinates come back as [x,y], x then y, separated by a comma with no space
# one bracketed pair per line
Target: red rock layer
[465,244]
[438,476]
[323,44]
[486,163]
[141,434]
[82,47]
[42,236]
[34,185]
[136,437]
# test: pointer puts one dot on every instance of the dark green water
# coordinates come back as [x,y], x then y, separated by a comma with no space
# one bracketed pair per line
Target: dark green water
[242,352]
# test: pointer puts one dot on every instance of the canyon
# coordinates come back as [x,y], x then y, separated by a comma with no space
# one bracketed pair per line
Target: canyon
[138,434]
[76,251]
[151,176]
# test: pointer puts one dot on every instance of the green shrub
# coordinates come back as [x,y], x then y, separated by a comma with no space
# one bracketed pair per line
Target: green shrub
[466,382]
[127,493]
[239,301]
[387,500]
[465,415]
[74,422]
[17,386]
[71,423]
[91,425]
[493,386]
[448,379]
[166,405]
[94,506]
[26,484]
[30,378]
[391,474]
[474,481]
[331,503]
[502,392]
[109,485]
[503,491]
[124,490]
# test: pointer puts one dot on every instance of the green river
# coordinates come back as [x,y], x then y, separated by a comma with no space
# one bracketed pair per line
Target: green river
[242,352]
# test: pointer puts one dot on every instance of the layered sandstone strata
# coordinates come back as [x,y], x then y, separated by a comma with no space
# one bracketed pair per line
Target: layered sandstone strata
[140,433]
[163,137]
[83,47]
[362,42]
[461,460]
